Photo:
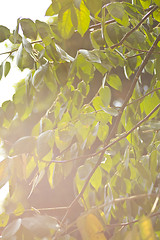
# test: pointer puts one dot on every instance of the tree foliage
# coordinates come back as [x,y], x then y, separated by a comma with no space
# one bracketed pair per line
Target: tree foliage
[81,133]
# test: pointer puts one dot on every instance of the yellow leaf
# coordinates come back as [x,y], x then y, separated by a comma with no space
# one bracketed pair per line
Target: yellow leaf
[146,229]
[4,217]
[83,16]
[19,209]
[90,227]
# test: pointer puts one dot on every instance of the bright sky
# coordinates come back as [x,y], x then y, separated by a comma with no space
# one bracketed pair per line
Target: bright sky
[10,11]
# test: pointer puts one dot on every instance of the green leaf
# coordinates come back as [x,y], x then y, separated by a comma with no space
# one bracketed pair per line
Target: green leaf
[4,33]
[83,16]
[24,145]
[29,28]
[77,98]
[87,116]
[50,81]
[84,171]
[7,68]
[83,88]
[96,179]
[145,3]
[56,6]
[44,32]
[65,24]
[102,132]
[153,164]
[156,14]
[111,111]
[94,6]
[114,81]
[96,39]
[1,71]
[105,95]
[149,103]
[9,109]
[49,11]
[90,55]
[39,76]
[117,11]
[27,45]
[23,59]
[45,142]
[157,2]
[107,163]
[64,56]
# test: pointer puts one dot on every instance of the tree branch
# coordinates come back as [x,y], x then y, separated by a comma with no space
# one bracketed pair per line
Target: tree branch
[133,29]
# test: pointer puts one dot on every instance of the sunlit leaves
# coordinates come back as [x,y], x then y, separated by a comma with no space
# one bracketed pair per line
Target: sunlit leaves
[156,15]
[90,227]
[83,17]
[114,81]
[105,95]
[146,229]
[96,179]
[65,117]
[66,26]
[145,3]
[149,103]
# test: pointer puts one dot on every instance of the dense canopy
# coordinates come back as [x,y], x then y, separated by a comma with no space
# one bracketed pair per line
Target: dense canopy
[82,132]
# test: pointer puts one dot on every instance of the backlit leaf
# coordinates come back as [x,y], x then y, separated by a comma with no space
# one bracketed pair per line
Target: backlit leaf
[90,227]
[145,3]
[83,16]
[146,229]
[65,24]
[96,179]
[4,217]
[114,81]
[105,95]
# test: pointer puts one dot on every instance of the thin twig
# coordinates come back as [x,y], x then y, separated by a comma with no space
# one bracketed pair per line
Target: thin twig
[97,25]
[140,98]
[135,28]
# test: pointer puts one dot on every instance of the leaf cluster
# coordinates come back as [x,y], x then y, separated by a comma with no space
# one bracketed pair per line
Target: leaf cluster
[81,133]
